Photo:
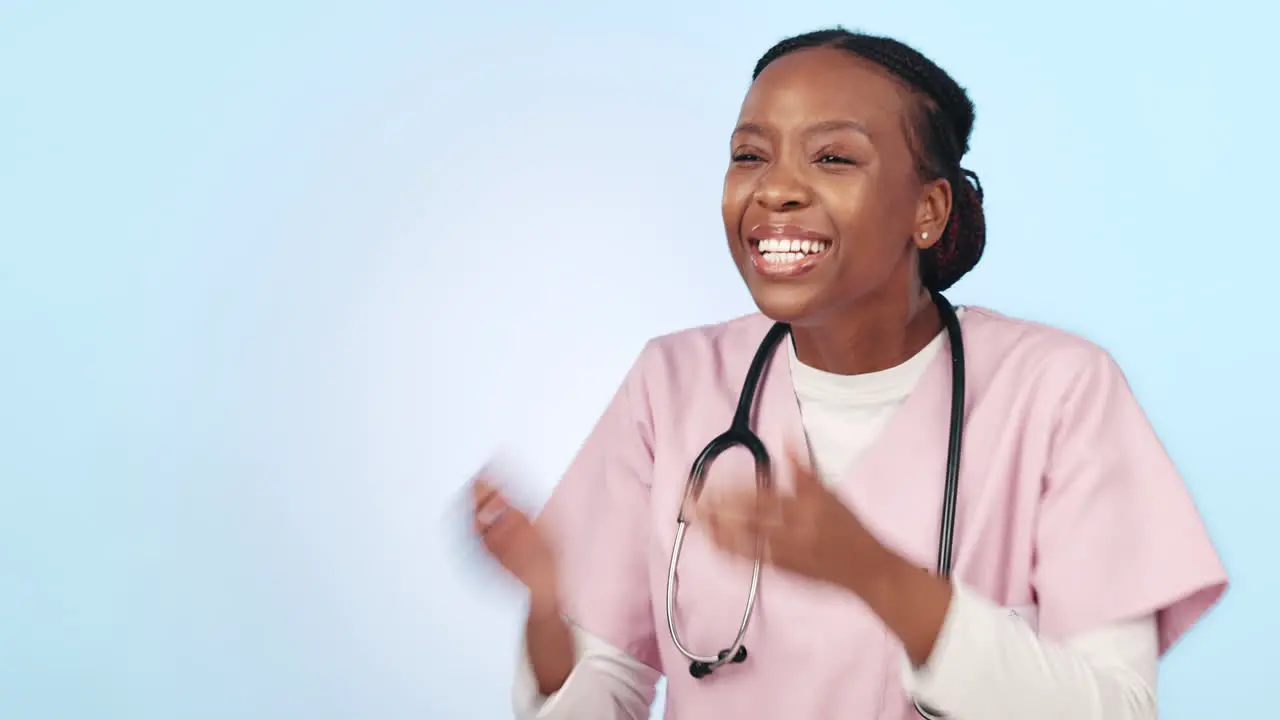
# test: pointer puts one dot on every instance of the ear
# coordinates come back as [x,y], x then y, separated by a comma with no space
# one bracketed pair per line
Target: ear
[932,212]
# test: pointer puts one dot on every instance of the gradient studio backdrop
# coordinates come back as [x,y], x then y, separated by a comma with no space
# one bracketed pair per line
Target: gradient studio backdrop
[277,277]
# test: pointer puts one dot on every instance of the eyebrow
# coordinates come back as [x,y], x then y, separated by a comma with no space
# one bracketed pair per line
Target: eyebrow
[824,126]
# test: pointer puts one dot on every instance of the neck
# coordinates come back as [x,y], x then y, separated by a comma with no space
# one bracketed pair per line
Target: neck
[876,335]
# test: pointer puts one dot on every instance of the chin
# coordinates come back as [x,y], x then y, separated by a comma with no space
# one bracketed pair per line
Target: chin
[788,303]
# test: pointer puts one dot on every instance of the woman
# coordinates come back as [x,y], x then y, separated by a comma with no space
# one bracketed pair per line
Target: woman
[1079,557]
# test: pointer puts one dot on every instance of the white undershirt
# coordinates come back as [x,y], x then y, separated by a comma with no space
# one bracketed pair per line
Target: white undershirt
[986,664]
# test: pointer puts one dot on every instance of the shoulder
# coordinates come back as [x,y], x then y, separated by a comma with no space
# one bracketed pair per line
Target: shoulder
[1051,362]
[730,334]
[684,369]
[1001,351]
[994,331]
[704,349]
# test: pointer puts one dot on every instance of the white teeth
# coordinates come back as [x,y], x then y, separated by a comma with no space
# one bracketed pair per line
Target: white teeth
[791,246]
[778,258]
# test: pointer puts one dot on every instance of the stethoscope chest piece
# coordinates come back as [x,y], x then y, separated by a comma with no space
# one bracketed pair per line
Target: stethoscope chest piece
[927,712]
[739,434]
[699,669]
[701,666]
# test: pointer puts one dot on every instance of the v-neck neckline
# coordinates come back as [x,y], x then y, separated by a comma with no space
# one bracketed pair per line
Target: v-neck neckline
[780,424]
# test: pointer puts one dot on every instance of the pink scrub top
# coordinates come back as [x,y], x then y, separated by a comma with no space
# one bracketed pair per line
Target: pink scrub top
[1069,510]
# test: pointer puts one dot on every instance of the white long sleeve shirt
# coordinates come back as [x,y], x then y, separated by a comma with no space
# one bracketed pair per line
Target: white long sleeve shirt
[988,662]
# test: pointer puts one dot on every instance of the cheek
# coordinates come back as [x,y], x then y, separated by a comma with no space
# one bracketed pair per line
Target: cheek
[852,204]
[733,203]
[863,219]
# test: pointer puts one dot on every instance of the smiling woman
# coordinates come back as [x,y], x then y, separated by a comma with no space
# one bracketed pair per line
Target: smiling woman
[1071,556]
[872,176]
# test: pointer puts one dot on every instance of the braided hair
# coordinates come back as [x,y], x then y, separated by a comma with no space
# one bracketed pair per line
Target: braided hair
[940,125]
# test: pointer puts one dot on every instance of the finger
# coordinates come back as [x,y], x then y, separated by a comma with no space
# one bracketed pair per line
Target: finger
[740,517]
[795,513]
[802,471]
[498,536]
[490,511]
[713,515]
[481,490]
[486,481]
[730,505]
[757,507]
[709,512]
[703,512]
[758,512]
[747,517]
[732,534]
[493,499]
[492,515]
[769,517]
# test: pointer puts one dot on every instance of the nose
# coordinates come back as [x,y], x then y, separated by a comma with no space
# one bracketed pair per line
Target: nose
[782,189]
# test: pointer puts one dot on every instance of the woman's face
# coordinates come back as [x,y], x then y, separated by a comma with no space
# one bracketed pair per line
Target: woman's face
[823,206]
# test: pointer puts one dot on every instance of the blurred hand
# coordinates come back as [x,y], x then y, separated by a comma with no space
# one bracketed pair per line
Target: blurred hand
[810,533]
[511,538]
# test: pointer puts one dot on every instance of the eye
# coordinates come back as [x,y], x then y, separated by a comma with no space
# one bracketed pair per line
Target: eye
[830,159]
[747,157]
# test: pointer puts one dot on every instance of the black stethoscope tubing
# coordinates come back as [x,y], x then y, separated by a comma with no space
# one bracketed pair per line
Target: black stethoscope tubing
[740,434]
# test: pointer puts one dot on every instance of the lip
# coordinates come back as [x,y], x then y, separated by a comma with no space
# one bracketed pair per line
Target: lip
[761,232]
[781,271]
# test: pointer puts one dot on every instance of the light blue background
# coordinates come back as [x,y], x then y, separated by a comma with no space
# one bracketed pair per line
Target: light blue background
[277,277]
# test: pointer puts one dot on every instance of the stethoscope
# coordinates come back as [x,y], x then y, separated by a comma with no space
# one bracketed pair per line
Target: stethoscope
[739,434]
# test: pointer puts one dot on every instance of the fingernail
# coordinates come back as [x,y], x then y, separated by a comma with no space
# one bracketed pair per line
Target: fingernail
[489,516]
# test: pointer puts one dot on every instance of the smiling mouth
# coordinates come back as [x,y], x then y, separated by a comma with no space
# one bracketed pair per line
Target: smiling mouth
[783,252]
[784,258]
